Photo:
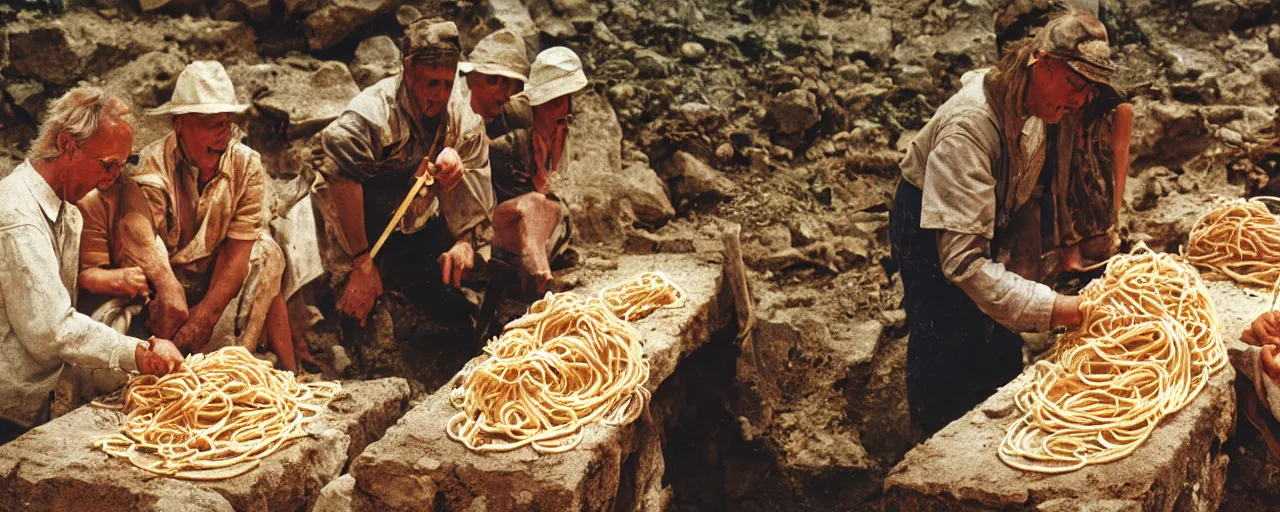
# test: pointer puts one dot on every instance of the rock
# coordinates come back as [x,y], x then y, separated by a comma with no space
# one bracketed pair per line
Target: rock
[915,78]
[562,19]
[1273,39]
[808,229]
[309,101]
[1214,16]
[515,16]
[644,242]
[376,58]
[652,64]
[724,152]
[416,466]
[28,95]
[696,180]
[605,196]
[1179,467]
[55,466]
[795,111]
[860,35]
[146,82]
[407,14]
[334,22]
[692,51]
[82,44]
[340,359]
[257,10]
[337,495]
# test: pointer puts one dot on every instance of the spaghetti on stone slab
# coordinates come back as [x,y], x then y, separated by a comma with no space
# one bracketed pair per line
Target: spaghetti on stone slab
[568,362]
[214,418]
[1239,240]
[1148,344]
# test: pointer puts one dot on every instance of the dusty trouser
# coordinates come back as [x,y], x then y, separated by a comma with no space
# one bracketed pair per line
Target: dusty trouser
[535,229]
[241,322]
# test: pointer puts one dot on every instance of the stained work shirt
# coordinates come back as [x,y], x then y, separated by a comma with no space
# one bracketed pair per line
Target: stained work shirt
[951,161]
[376,143]
[40,330]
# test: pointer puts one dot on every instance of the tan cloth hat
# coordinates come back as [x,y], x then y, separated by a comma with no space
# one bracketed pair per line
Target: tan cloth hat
[556,72]
[432,41]
[202,88]
[499,54]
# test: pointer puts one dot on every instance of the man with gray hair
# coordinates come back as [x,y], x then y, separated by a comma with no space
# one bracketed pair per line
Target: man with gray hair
[81,147]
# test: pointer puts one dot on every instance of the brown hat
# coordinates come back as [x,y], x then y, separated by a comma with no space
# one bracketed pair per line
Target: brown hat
[432,41]
[499,54]
[1081,40]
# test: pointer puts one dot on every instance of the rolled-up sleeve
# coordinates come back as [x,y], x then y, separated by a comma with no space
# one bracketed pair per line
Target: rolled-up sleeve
[40,312]
[247,219]
[959,201]
[95,250]
[1019,304]
[347,145]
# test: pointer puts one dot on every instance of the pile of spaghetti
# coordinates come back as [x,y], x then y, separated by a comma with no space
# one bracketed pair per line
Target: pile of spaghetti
[214,418]
[568,362]
[1239,240]
[1149,341]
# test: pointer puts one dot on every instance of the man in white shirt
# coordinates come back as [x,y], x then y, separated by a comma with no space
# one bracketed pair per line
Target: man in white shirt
[82,145]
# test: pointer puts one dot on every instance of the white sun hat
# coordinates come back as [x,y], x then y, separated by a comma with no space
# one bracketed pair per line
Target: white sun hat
[498,54]
[202,88]
[556,72]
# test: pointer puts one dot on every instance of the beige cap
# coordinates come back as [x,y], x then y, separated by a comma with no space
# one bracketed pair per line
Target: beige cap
[499,54]
[202,88]
[1081,40]
[556,72]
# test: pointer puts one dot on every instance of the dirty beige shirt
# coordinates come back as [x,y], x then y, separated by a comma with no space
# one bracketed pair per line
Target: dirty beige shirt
[951,161]
[376,140]
[40,330]
[229,207]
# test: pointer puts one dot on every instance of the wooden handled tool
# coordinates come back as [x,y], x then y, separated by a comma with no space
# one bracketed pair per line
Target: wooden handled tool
[425,179]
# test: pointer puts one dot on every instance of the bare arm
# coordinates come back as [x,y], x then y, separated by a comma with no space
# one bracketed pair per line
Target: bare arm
[1121,133]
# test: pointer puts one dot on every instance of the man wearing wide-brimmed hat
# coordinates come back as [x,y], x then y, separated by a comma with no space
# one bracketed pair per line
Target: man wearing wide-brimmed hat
[370,159]
[530,223]
[495,72]
[982,203]
[190,218]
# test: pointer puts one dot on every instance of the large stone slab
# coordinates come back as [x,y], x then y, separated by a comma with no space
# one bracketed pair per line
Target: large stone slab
[56,468]
[1180,467]
[417,467]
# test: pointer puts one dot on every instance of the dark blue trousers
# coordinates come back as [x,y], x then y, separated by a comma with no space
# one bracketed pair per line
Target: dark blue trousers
[956,355]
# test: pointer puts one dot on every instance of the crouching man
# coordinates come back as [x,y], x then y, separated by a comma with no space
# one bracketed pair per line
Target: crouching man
[83,144]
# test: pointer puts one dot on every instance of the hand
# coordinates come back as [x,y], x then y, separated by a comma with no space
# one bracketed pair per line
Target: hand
[364,286]
[129,282]
[448,169]
[160,360]
[455,263]
[195,334]
[1264,331]
[1270,362]
[168,313]
[1066,311]
[1071,260]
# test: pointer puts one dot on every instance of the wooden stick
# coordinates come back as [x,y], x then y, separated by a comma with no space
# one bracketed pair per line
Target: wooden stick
[736,273]
[425,179]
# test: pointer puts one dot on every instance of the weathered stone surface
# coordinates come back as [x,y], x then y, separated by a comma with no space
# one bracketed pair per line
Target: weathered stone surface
[80,44]
[1180,466]
[604,194]
[696,180]
[1214,15]
[860,35]
[376,58]
[514,16]
[55,466]
[146,82]
[312,102]
[795,111]
[28,95]
[334,22]
[563,18]
[417,467]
